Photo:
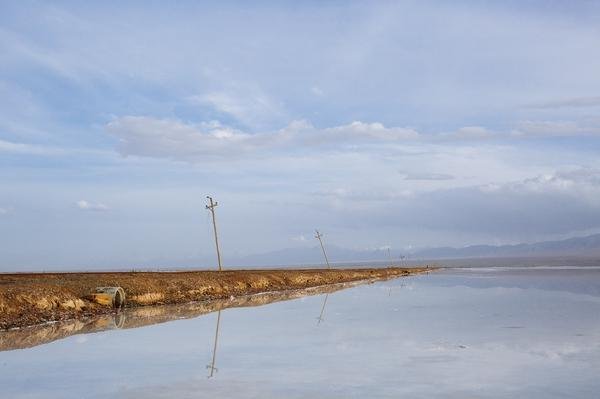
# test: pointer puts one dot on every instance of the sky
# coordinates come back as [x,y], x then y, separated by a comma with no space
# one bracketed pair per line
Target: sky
[383,124]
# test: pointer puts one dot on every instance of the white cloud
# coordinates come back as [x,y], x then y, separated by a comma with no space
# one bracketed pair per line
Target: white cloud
[89,206]
[527,128]
[166,138]
[580,183]
[4,211]
[555,129]
[377,131]
[173,139]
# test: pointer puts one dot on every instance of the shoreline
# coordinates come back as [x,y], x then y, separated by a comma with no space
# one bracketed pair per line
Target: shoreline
[29,299]
[142,316]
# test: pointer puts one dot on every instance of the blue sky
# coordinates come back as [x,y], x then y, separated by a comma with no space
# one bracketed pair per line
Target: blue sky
[401,124]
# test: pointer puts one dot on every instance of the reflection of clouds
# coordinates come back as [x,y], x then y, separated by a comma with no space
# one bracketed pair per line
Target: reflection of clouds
[580,280]
[432,369]
[433,359]
[566,351]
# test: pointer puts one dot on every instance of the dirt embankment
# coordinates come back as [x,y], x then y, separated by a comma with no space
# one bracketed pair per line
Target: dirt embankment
[29,299]
[147,315]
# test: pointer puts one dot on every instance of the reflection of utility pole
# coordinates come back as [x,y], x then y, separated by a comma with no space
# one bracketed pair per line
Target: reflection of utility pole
[318,236]
[320,318]
[401,286]
[211,366]
[211,208]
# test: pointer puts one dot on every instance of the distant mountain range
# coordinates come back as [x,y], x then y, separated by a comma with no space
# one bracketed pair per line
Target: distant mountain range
[578,246]
[560,252]
[587,246]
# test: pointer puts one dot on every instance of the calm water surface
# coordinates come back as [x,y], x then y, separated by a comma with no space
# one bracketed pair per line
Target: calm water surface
[472,333]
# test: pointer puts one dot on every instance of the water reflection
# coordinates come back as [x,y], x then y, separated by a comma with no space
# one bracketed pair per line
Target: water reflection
[398,286]
[451,334]
[320,318]
[211,366]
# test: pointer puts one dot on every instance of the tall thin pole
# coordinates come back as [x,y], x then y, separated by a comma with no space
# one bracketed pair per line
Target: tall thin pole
[211,208]
[318,236]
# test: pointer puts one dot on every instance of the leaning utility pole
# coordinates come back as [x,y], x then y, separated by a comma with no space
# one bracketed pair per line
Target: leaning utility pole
[318,236]
[211,208]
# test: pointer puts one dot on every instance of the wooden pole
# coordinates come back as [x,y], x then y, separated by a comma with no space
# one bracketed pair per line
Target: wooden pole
[318,236]
[211,208]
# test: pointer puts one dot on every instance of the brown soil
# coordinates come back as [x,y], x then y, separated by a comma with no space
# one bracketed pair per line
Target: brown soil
[29,299]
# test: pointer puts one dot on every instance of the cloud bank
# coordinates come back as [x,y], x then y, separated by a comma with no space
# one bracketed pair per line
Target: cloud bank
[546,204]
[172,139]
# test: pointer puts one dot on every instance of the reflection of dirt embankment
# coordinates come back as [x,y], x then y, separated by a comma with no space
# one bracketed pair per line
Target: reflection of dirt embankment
[30,299]
[143,316]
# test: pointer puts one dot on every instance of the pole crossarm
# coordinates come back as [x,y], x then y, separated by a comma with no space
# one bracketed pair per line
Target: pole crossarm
[212,204]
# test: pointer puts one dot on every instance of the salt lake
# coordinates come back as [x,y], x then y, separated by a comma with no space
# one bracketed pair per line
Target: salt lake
[455,333]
